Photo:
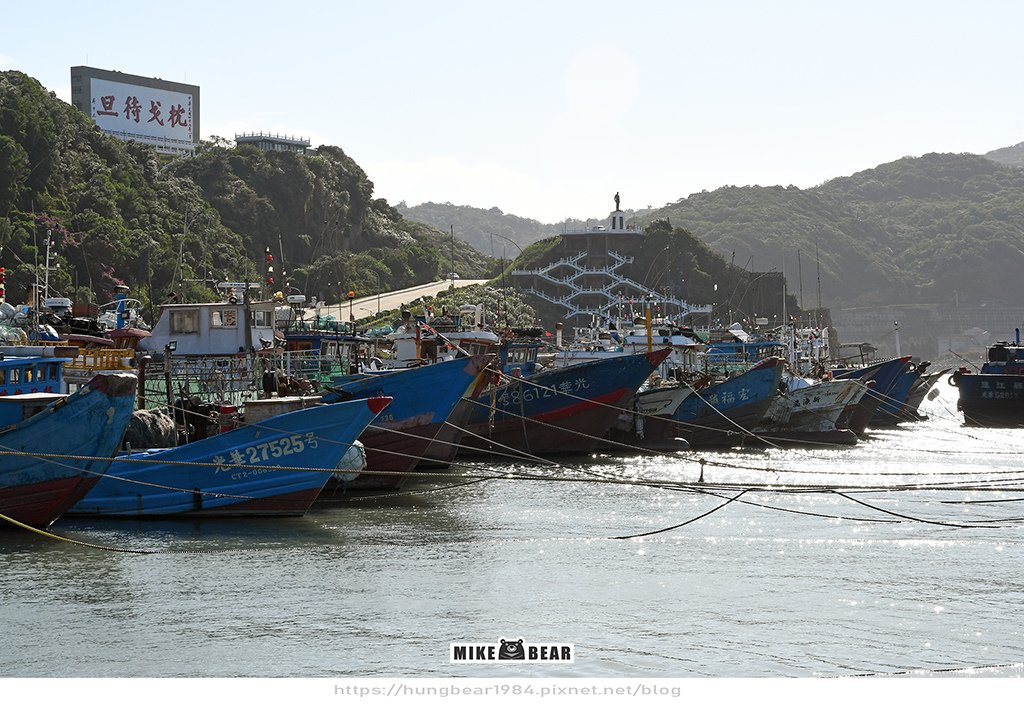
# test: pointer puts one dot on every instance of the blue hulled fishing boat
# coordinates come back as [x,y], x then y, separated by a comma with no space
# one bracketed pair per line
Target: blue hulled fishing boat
[273,468]
[424,399]
[85,428]
[557,411]
[885,374]
[725,413]
[894,408]
[995,397]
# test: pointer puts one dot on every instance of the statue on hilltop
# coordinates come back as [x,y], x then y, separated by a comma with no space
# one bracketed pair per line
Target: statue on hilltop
[617,208]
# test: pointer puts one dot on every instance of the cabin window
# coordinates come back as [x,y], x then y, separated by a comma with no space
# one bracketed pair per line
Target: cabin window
[3,376]
[184,321]
[54,372]
[263,318]
[227,318]
[15,375]
[29,375]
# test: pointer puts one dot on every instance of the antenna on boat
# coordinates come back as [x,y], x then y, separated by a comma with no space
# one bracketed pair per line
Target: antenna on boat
[817,313]
[284,274]
[46,276]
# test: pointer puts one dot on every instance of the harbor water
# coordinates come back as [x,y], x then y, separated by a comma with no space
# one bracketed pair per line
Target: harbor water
[901,555]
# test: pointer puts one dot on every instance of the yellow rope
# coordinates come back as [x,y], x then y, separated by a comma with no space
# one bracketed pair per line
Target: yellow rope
[54,536]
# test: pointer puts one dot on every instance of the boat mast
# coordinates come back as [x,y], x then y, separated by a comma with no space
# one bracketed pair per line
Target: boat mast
[284,275]
[800,275]
[817,313]
[46,275]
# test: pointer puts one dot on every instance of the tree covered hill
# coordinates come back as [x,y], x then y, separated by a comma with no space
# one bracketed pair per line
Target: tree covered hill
[483,228]
[911,231]
[915,230]
[120,213]
[670,260]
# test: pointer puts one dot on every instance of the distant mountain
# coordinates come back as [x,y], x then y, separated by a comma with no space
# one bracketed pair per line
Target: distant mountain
[1011,156]
[482,228]
[915,230]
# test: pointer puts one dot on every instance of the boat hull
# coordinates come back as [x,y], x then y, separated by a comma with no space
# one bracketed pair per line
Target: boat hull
[559,411]
[893,409]
[856,417]
[918,392]
[725,414]
[991,400]
[273,468]
[425,397]
[811,414]
[885,374]
[645,426]
[87,424]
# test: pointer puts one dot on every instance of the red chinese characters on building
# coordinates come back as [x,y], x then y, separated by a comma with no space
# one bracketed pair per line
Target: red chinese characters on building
[108,106]
[132,108]
[177,115]
[154,111]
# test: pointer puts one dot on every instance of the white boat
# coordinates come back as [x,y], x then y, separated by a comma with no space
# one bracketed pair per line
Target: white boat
[810,410]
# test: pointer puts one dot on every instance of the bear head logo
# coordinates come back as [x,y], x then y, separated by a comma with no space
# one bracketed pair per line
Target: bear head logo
[512,650]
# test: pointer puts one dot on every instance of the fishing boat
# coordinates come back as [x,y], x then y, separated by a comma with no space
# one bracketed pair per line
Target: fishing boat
[734,349]
[427,339]
[84,429]
[922,388]
[425,398]
[276,467]
[623,337]
[894,409]
[810,411]
[633,427]
[994,397]
[557,411]
[724,413]
[856,416]
[885,375]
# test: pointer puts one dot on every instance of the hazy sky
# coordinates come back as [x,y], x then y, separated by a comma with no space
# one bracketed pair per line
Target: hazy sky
[546,109]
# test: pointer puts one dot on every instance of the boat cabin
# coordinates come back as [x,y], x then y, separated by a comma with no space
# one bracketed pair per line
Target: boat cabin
[428,339]
[224,328]
[28,384]
[734,346]
[30,375]
[1004,358]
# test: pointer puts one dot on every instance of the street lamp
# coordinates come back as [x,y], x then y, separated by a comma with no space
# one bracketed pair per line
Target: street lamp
[494,234]
[514,243]
[351,315]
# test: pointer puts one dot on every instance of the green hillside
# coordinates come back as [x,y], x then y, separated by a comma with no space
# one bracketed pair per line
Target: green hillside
[119,213]
[911,231]
[673,261]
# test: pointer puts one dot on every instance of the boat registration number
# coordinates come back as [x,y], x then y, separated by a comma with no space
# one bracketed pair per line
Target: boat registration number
[264,451]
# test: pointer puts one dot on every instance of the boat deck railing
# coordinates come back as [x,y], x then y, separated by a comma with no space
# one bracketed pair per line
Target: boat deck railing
[103,359]
[94,359]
